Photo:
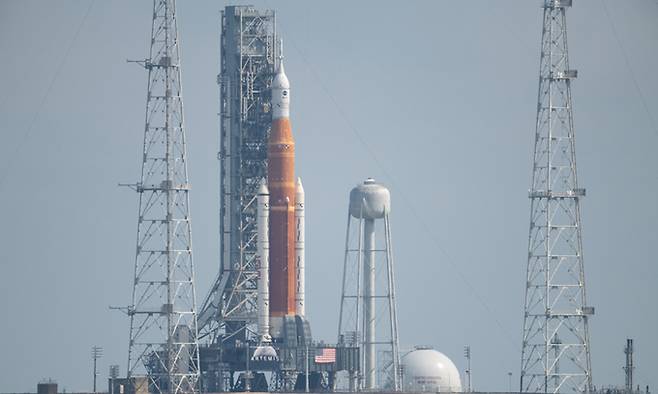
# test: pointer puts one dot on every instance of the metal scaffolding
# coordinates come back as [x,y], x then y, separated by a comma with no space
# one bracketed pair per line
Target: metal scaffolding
[247,64]
[248,52]
[555,354]
[163,350]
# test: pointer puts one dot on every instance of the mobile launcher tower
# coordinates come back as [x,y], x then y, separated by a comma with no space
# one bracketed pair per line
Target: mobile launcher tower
[252,323]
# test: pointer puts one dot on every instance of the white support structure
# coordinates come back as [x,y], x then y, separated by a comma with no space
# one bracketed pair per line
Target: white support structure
[369,297]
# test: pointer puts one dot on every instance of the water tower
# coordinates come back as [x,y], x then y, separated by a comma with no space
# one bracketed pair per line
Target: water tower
[368,316]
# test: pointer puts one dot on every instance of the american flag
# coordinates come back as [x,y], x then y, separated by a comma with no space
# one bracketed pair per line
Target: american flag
[325,355]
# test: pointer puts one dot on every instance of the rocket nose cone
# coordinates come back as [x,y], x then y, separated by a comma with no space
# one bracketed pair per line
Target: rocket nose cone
[299,187]
[280,79]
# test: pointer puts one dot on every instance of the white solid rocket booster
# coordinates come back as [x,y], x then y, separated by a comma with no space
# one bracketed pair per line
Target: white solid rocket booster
[299,247]
[263,250]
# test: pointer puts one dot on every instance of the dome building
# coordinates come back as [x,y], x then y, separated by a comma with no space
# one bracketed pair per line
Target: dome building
[427,370]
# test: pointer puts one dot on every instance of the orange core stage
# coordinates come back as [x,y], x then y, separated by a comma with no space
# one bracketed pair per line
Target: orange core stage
[281,183]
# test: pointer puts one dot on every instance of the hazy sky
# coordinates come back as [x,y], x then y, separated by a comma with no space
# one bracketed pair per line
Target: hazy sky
[436,99]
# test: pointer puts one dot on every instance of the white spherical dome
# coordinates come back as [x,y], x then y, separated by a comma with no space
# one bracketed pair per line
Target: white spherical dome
[429,370]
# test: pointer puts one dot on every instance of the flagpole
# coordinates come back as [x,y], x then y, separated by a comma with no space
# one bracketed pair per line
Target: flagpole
[306,379]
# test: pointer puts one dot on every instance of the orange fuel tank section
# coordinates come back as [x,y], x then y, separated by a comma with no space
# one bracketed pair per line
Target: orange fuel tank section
[281,183]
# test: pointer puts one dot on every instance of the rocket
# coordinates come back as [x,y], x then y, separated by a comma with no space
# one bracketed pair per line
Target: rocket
[281,183]
[280,222]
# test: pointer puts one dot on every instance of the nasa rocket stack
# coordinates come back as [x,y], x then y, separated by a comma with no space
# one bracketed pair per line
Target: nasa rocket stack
[286,218]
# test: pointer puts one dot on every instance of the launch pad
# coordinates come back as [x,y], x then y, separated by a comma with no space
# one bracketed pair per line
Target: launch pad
[251,333]
[233,367]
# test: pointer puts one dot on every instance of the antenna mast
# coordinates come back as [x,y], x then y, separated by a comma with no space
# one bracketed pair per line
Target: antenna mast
[628,369]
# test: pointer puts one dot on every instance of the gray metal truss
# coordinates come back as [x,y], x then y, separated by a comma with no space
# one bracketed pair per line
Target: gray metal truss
[352,320]
[247,64]
[163,344]
[555,353]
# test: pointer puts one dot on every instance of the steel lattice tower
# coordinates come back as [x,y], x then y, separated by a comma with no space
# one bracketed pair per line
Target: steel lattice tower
[228,315]
[163,350]
[247,66]
[555,354]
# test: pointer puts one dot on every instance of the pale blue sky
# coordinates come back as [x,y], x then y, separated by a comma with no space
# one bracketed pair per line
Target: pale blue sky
[443,96]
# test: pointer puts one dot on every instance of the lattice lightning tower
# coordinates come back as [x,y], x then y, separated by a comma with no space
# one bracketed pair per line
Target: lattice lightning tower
[163,350]
[555,351]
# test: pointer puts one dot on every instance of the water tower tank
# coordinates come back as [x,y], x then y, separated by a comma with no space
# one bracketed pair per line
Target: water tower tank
[427,370]
[370,200]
